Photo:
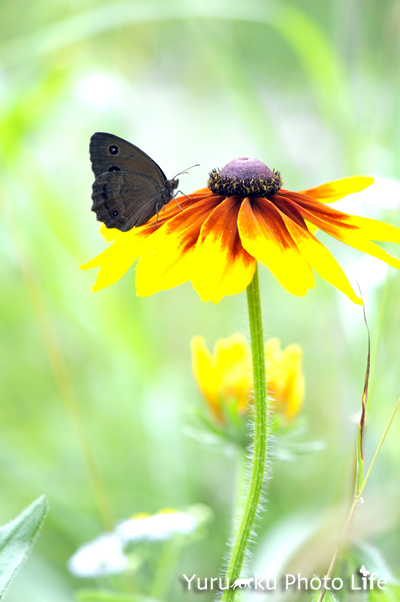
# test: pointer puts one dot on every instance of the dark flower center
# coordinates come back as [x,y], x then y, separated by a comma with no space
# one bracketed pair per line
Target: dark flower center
[243,178]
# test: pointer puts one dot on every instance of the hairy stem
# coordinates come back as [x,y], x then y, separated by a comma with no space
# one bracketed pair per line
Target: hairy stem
[257,473]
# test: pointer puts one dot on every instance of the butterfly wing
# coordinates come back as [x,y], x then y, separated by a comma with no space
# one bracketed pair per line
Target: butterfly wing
[109,153]
[124,200]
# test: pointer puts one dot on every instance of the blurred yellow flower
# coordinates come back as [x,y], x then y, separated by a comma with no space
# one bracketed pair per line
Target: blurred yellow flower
[225,376]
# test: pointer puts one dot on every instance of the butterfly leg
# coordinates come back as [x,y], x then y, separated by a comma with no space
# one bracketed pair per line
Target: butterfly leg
[157,210]
[188,197]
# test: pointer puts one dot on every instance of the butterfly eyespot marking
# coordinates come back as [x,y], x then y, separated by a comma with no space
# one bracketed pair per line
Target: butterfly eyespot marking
[113,149]
[114,168]
[114,213]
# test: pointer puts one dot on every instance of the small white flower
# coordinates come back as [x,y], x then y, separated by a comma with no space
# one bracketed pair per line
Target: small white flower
[102,556]
[156,527]
[105,554]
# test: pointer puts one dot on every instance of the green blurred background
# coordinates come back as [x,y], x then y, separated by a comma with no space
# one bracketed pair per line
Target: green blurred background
[311,88]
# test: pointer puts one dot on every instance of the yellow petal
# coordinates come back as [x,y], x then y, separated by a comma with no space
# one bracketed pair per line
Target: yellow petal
[204,370]
[264,236]
[294,387]
[167,258]
[321,259]
[110,234]
[374,229]
[357,238]
[353,231]
[311,227]
[370,228]
[221,266]
[233,367]
[117,258]
[337,189]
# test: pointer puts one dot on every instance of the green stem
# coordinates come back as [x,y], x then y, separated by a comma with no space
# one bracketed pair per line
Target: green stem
[357,498]
[241,485]
[257,473]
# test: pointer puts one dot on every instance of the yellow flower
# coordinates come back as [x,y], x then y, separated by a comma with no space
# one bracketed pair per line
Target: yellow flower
[225,376]
[243,217]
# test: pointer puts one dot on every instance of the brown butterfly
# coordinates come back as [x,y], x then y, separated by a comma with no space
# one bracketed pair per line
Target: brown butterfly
[129,187]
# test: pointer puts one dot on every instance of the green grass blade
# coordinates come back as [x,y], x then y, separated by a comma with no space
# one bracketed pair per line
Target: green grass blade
[364,399]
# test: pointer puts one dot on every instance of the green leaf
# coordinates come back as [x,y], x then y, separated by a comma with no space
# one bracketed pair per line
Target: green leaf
[17,539]
[391,594]
[94,595]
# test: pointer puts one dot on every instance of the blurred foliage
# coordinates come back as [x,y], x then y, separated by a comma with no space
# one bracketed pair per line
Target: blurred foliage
[95,389]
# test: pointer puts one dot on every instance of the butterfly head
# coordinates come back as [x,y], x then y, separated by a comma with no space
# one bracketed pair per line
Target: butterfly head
[172,185]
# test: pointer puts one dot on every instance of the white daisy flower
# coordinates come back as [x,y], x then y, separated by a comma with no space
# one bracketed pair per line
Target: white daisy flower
[158,526]
[105,554]
[102,556]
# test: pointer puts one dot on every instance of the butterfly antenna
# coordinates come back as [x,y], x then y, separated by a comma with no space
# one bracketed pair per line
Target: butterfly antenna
[186,170]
